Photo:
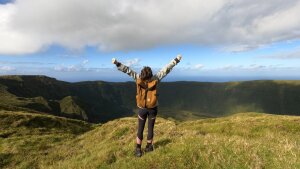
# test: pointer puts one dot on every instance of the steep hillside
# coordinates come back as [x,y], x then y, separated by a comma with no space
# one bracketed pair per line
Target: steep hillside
[97,101]
[215,99]
[244,140]
[71,106]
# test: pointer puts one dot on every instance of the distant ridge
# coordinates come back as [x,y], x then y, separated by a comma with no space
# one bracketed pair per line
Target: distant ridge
[99,101]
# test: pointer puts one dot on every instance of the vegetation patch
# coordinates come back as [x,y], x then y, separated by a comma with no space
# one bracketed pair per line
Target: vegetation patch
[243,140]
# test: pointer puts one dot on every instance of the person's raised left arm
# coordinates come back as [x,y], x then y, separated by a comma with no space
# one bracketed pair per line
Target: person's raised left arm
[167,69]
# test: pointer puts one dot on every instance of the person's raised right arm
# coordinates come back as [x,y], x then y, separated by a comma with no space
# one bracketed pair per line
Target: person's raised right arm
[125,69]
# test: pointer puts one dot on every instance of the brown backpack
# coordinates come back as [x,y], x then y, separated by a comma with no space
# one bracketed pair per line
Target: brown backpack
[146,94]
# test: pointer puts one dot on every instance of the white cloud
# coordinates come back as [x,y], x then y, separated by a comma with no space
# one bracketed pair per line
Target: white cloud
[7,68]
[291,54]
[85,62]
[241,48]
[250,67]
[227,67]
[133,62]
[14,40]
[27,26]
[190,67]
[199,66]
[72,68]
[26,63]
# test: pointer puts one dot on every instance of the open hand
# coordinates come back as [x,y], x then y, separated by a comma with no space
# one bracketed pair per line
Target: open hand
[114,61]
[179,57]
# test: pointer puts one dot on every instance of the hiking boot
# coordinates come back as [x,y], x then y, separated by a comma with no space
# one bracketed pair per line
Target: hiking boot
[149,148]
[138,152]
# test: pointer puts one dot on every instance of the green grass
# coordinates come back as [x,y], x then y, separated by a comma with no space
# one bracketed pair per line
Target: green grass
[24,137]
[244,140]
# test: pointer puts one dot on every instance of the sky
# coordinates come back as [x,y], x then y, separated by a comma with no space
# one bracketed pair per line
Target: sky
[219,40]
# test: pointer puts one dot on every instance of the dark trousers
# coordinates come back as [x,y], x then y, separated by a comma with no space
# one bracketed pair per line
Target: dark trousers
[142,117]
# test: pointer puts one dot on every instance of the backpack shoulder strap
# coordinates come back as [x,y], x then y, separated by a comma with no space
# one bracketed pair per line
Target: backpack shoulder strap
[142,84]
[152,84]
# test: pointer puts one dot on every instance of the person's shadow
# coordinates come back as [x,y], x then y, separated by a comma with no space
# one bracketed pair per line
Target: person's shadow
[162,142]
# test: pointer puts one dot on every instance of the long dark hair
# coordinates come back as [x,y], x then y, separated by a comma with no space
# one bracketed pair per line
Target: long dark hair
[146,73]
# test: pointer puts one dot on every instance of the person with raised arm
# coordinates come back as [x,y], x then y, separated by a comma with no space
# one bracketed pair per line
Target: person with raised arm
[146,98]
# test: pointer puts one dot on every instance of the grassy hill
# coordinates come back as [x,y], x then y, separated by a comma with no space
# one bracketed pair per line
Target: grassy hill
[243,140]
[98,101]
